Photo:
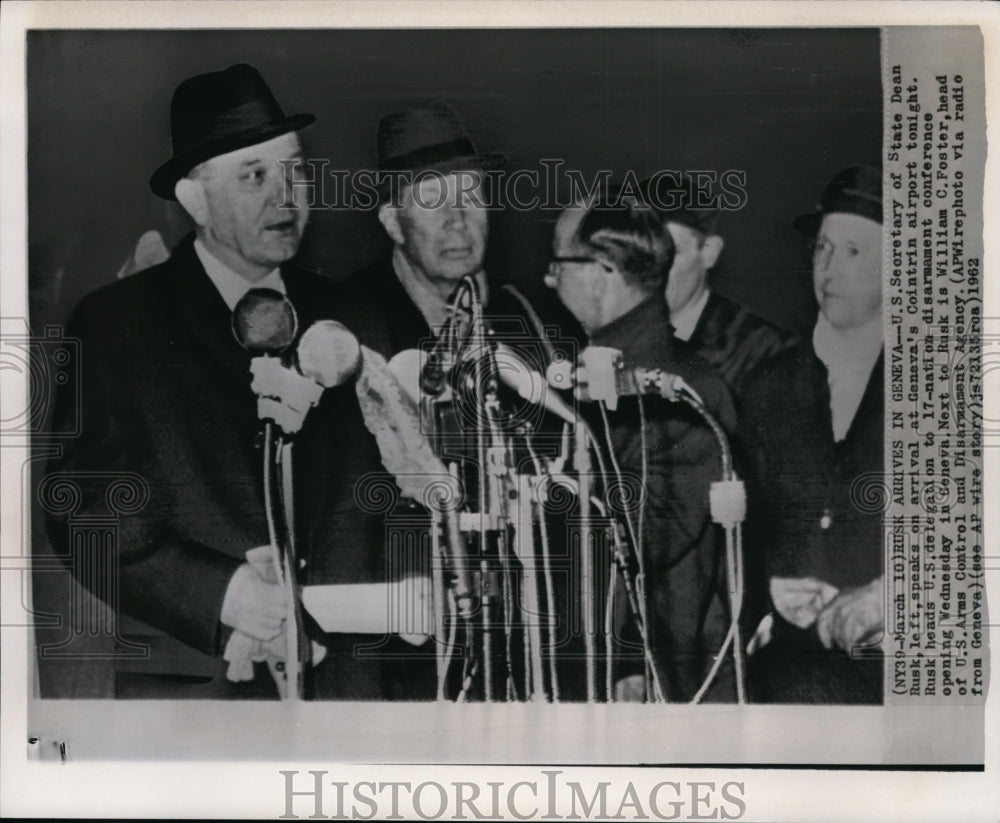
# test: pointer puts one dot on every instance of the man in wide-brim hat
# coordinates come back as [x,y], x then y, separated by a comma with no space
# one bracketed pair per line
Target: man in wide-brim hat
[434,206]
[812,420]
[166,398]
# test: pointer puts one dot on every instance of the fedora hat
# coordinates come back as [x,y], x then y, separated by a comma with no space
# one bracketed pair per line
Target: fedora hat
[857,190]
[428,137]
[216,113]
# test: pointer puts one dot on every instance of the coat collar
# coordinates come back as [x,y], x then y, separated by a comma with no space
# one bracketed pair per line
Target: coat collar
[815,390]
[643,334]
[206,315]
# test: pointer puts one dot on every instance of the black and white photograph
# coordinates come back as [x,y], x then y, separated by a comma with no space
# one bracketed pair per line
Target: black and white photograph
[482,401]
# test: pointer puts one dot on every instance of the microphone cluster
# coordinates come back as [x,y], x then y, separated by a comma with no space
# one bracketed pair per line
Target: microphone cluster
[601,374]
[288,382]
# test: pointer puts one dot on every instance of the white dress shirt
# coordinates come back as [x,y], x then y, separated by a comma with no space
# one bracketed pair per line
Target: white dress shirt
[849,358]
[685,319]
[233,286]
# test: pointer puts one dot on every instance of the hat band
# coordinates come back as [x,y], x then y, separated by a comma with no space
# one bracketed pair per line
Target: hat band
[857,203]
[864,195]
[429,155]
[253,114]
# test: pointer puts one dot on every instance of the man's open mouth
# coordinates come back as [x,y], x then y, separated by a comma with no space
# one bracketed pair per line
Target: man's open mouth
[456,252]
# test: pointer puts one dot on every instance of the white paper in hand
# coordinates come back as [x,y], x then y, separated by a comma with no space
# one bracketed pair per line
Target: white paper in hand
[404,607]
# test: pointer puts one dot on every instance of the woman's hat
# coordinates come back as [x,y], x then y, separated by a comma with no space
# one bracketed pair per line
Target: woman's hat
[857,190]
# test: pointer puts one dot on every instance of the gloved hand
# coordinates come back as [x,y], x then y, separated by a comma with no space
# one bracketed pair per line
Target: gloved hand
[246,644]
[242,651]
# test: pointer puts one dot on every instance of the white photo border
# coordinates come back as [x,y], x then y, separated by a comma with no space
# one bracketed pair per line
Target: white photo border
[223,781]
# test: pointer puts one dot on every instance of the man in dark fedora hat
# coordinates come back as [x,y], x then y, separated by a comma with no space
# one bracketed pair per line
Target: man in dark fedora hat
[813,424]
[433,206]
[728,335]
[166,398]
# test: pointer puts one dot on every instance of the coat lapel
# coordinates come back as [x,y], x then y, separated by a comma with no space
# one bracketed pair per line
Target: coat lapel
[313,296]
[872,403]
[202,309]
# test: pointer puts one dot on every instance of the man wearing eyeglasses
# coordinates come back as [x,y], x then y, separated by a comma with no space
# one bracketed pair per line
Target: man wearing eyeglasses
[608,268]
[812,421]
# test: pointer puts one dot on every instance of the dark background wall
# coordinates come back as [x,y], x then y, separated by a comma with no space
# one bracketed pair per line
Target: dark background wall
[789,108]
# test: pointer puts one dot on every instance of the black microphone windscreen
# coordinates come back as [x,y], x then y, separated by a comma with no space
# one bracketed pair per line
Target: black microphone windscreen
[265,322]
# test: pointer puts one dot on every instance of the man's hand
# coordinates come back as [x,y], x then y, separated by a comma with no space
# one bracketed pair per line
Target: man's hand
[242,651]
[853,616]
[252,605]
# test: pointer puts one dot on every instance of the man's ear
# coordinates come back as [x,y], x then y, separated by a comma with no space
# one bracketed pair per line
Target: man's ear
[710,250]
[612,281]
[191,195]
[388,216]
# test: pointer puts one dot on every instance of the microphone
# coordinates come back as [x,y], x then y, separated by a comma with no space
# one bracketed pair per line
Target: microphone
[264,322]
[288,384]
[440,359]
[329,353]
[529,384]
[602,374]
[434,373]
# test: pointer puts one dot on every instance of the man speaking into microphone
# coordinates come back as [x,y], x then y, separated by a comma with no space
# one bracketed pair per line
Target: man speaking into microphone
[167,396]
[609,265]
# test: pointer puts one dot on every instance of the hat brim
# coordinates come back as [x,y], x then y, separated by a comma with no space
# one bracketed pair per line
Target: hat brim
[166,176]
[472,162]
[808,224]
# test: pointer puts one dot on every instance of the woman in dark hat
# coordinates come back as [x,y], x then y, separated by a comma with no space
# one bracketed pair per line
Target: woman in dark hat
[812,422]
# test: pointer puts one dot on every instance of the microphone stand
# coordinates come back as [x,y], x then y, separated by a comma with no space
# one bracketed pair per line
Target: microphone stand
[450,526]
[581,461]
[490,523]
[539,493]
[484,497]
[264,322]
[278,505]
[493,460]
[525,550]
[728,506]
[728,509]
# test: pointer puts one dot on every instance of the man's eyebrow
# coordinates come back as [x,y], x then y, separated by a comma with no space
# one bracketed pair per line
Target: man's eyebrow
[253,161]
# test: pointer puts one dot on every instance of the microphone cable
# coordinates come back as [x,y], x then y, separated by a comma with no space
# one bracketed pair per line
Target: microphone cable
[734,556]
[639,604]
